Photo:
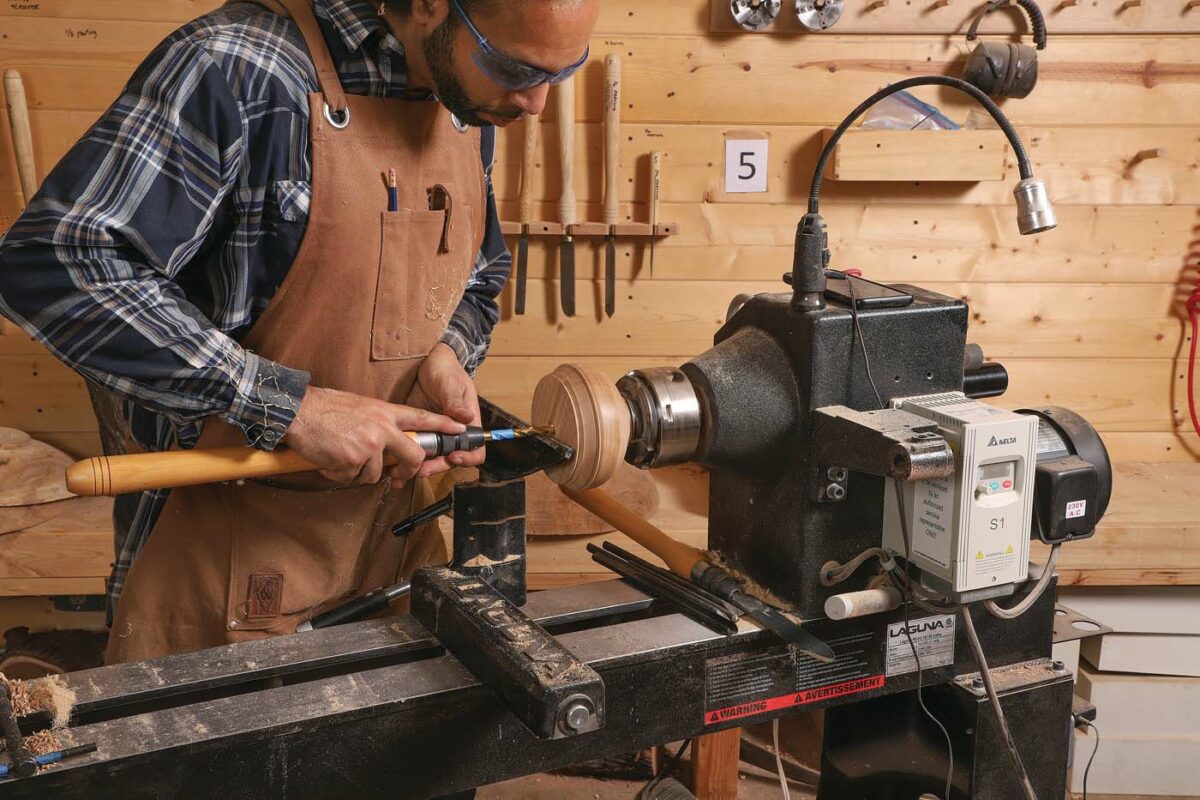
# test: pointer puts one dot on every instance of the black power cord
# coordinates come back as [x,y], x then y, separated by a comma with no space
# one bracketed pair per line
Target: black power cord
[668,766]
[1095,749]
[858,332]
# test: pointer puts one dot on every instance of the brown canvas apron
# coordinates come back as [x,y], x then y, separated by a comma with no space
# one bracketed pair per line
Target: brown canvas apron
[369,294]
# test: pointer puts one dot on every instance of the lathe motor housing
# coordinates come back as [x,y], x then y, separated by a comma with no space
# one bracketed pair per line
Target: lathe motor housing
[794,412]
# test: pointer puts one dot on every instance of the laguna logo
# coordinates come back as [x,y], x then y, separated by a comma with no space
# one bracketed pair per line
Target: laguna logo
[1006,440]
[921,626]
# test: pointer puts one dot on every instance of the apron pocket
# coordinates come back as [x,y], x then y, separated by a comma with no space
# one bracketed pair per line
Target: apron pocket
[421,282]
[292,551]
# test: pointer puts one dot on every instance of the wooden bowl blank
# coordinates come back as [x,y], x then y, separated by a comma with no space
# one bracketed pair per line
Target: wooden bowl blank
[587,412]
[31,472]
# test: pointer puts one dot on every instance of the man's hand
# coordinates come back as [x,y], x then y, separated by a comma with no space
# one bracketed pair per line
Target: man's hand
[348,435]
[445,387]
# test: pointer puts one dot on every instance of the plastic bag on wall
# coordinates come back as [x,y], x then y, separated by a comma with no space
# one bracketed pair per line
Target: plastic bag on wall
[904,112]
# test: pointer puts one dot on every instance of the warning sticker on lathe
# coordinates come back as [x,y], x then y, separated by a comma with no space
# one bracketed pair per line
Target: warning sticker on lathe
[932,637]
[795,699]
[749,684]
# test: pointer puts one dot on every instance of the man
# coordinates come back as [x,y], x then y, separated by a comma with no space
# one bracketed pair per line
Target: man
[220,251]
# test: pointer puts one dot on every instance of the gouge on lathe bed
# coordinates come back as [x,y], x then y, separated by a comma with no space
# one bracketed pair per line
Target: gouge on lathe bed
[107,476]
[691,564]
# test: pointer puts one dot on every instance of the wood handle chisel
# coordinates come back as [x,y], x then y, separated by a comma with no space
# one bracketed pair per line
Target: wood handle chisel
[566,203]
[612,160]
[18,119]
[656,160]
[525,208]
[108,476]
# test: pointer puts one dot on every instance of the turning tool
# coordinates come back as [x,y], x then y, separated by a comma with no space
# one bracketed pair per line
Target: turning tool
[358,608]
[566,203]
[656,159]
[112,475]
[46,759]
[612,160]
[692,564]
[525,208]
[700,605]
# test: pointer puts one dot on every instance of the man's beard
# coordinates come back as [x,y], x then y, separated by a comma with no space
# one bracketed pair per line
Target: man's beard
[438,48]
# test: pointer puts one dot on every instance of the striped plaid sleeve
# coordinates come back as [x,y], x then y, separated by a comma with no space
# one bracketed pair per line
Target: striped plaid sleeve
[470,330]
[90,268]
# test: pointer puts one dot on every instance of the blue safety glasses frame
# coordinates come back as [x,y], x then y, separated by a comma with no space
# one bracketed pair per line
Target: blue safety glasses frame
[508,72]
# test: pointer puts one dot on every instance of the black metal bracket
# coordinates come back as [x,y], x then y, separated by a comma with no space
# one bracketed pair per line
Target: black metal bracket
[890,443]
[544,685]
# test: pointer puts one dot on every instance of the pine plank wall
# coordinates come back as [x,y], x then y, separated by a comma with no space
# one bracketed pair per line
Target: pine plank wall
[1087,316]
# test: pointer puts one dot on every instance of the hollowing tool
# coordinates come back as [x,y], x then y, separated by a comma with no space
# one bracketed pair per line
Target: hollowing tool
[107,476]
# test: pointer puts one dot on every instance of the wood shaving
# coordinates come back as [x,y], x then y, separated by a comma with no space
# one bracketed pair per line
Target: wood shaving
[44,694]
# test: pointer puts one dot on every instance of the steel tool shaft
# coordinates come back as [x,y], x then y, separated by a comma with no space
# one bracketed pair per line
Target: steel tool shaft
[612,160]
[566,205]
[525,209]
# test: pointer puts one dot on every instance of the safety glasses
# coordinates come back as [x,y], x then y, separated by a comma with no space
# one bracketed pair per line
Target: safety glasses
[507,72]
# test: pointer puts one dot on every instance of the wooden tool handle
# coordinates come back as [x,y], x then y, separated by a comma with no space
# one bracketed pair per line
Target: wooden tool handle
[108,476]
[656,159]
[18,119]
[566,149]
[678,557]
[528,161]
[612,136]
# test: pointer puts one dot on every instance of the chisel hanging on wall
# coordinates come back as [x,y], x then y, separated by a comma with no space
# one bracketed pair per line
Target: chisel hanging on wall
[525,208]
[566,204]
[656,159]
[612,161]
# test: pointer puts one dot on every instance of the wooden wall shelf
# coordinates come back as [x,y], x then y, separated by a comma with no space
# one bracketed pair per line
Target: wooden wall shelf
[887,155]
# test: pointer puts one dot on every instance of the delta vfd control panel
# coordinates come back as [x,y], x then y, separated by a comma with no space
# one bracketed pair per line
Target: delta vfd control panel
[969,534]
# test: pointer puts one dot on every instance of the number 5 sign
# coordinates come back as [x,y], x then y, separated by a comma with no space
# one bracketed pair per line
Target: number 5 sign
[746,165]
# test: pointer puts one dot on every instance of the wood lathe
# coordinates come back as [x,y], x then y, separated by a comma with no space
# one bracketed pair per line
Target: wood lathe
[860,492]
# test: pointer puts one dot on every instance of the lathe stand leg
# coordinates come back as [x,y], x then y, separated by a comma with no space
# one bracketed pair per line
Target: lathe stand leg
[715,765]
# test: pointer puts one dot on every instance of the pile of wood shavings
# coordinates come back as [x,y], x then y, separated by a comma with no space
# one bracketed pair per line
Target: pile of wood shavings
[49,741]
[44,694]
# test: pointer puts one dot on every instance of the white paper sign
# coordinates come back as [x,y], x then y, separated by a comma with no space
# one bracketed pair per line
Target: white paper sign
[745,165]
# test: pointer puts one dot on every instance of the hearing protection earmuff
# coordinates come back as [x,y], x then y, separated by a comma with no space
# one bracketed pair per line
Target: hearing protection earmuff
[1005,69]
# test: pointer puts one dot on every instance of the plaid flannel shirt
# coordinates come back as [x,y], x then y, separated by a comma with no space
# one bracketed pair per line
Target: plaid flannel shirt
[159,239]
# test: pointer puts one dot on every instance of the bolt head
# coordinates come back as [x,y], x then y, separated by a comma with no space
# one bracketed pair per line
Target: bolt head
[577,717]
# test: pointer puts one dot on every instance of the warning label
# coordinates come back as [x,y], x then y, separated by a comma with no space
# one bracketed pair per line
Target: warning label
[933,638]
[988,562]
[748,684]
[796,699]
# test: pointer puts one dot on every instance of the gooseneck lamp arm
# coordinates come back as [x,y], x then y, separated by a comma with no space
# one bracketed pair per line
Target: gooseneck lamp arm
[1034,211]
